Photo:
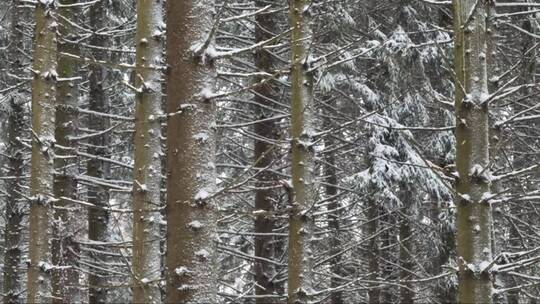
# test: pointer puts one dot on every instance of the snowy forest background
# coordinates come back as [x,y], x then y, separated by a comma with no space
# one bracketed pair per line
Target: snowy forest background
[270,151]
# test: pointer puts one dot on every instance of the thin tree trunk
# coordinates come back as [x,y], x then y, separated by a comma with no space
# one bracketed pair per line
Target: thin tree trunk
[98,218]
[191,175]
[334,216]
[374,293]
[406,293]
[42,170]
[13,285]
[265,155]
[147,172]
[65,278]
[300,221]
[474,219]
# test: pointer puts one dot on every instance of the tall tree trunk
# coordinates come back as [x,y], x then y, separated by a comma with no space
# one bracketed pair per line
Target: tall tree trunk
[42,170]
[191,175]
[98,218]
[266,198]
[334,217]
[406,293]
[300,220]
[374,293]
[147,172]
[12,286]
[65,278]
[474,219]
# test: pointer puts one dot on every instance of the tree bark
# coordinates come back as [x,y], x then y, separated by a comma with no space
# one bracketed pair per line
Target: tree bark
[191,175]
[98,218]
[374,293]
[334,217]
[474,218]
[65,278]
[300,220]
[13,285]
[406,292]
[147,172]
[265,156]
[42,168]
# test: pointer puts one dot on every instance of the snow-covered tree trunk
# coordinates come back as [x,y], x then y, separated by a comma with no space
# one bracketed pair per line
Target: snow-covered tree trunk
[98,218]
[406,291]
[191,175]
[373,214]
[13,285]
[147,167]
[42,164]
[266,196]
[302,192]
[65,277]
[474,218]
[334,218]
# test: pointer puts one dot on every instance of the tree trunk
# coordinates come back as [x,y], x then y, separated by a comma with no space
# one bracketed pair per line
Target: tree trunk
[191,174]
[42,170]
[300,221]
[406,293]
[12,286]
[98,218]
[374,293]
[474,219]
[65,278]
[147,172]
[266,198]
[334,216]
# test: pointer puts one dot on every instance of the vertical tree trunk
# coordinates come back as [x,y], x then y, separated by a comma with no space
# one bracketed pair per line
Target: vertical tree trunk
[191,212]
[334,216]
[300,221]
[98,218]
[147,167]
[474,219]
[65,278]
[265,155]
[42,170]
[12,286]
[406,294]
[374,293]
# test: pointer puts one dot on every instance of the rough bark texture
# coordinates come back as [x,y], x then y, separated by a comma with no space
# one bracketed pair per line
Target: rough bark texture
[147,172]
[265,156]
[98,218]
[474,219]
[65,278]
[13,285]
[300,221]
[42,168]
[191,212]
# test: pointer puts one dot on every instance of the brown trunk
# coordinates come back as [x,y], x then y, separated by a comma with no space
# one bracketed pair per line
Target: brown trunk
[98,218]
[65,279]
[42,169]
[474,218]
[334,216]
[147,172]
[265,155]
[191,212]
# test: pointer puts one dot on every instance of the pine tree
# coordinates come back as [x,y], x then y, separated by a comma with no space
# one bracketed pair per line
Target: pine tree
[302,129]
[42,166]
[191,180]
[147,172]
[474,218]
